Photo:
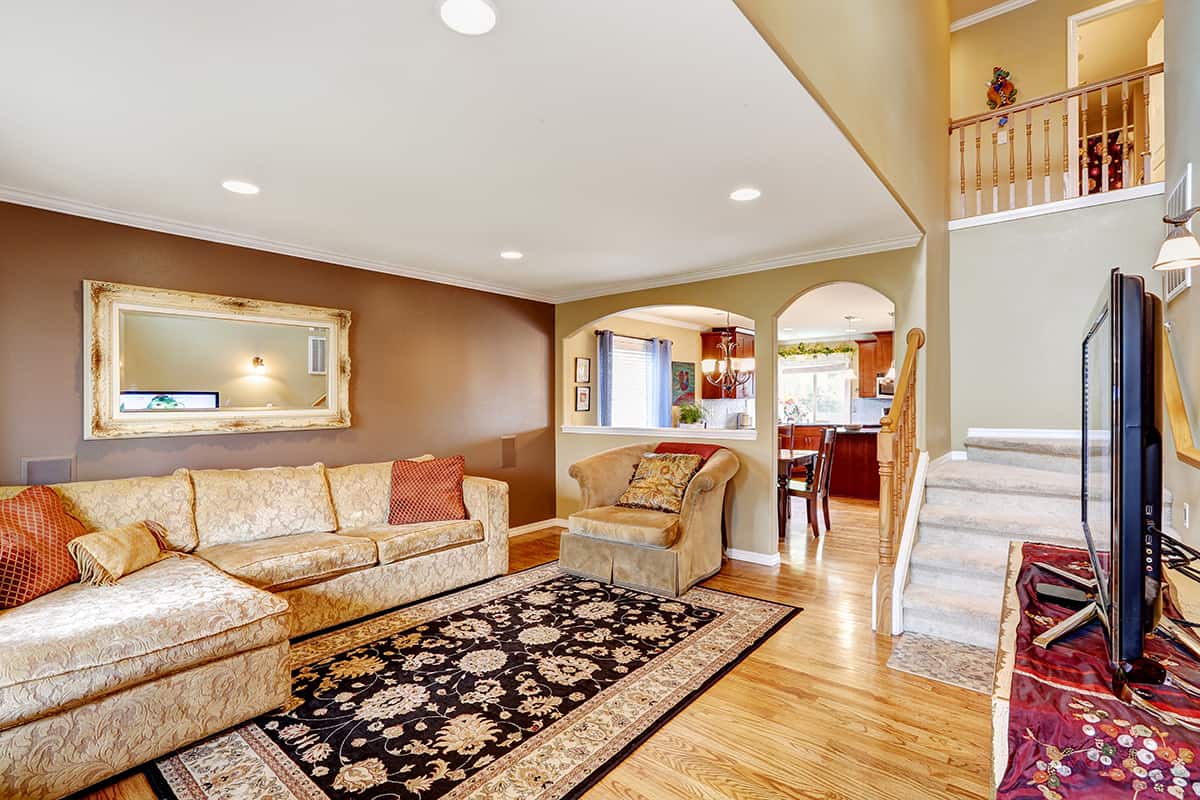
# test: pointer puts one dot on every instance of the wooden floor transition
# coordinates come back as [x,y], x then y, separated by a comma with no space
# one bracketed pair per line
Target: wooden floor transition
[813,713]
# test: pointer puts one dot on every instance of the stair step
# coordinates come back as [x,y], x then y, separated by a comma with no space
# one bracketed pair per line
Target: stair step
[1044,453]
[968,528]
[973,618]
[953,567]
[1003,488]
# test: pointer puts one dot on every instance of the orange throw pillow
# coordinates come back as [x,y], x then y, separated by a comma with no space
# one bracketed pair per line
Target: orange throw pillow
[427,491]
[34,560]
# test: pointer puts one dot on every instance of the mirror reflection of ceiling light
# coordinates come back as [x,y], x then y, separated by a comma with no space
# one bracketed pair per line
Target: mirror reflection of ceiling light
[468,17]
[258,364]
[511,255]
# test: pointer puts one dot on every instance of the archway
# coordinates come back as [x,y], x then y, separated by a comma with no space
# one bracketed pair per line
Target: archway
[835,376]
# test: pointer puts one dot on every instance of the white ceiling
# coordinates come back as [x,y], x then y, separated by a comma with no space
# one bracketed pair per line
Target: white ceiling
[700,318]
[602,139]
[820,314]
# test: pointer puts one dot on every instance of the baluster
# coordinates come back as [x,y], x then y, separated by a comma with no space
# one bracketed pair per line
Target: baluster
[1066,170]
[962,173]
[1046,147]
[1029,156]
[978,172]
[1084,171]
[1012,166]
[1124,137]
[995,175]
[1146,168]
[1104,157]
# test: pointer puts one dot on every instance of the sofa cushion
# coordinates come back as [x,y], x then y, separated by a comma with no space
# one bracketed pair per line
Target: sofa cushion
[633,525]
[361,492]
[82,642]
[286,562]
[398,542]
[242,505]
[101,505]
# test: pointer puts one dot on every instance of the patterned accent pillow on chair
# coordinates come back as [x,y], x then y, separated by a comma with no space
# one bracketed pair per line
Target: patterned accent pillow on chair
[427,491]
[660,480]
[34,560]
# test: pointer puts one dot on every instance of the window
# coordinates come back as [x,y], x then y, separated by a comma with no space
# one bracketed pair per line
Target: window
[815,390]
[632,373]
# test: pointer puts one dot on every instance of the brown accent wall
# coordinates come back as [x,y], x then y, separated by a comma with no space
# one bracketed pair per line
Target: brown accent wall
[436,368]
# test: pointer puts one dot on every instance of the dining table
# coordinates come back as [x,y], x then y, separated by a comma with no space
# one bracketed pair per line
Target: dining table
[788,461]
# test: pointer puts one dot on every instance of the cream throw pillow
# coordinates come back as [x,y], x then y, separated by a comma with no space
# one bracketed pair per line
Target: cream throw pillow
[106,556]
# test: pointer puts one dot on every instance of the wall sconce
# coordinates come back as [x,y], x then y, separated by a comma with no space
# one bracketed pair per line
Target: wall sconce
[1181,249]
[258,364]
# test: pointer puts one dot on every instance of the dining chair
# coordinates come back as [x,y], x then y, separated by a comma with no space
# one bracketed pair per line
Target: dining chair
[806,437]
[815,488]
[787,436]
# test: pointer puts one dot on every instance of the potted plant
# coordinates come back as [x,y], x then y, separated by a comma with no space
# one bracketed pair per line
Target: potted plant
[691,416]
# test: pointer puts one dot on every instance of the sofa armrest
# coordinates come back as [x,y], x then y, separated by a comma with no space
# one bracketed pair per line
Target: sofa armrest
[604,476]
[487,501]
[703,502]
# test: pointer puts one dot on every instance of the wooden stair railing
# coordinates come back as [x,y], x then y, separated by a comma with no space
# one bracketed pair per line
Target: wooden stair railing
[1181,428]
[897,453]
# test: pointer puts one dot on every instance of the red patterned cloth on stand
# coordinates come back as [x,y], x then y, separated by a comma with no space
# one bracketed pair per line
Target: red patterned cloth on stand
[1068,734]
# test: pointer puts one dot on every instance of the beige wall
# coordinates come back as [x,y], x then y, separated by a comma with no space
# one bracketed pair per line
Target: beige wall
[1031,43]
[848,54]
[168,352]
[761,296]
[1020,295]
[685,346]
[1183,146]
[435,368]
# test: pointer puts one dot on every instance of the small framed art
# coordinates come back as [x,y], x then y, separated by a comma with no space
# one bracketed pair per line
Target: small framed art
[583,398]
[583,370]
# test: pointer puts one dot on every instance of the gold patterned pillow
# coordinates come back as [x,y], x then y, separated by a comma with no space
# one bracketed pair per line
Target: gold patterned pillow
[660,480]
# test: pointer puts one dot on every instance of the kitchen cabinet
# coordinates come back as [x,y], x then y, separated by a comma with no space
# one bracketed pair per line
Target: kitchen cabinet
[855,465]
[709,341]
[874,359]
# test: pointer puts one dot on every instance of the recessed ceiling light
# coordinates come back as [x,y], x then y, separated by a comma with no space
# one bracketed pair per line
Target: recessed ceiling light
[468,17]
[240,187]
[745,194]
[511,255]
[788,330]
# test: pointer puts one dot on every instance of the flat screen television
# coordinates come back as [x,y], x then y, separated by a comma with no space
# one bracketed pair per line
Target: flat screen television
[1122,461]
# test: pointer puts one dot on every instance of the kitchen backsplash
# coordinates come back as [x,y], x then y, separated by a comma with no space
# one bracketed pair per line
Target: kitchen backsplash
[869,410]
[724,413]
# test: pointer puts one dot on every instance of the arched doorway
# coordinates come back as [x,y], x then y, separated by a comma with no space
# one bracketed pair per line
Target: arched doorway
[835,378]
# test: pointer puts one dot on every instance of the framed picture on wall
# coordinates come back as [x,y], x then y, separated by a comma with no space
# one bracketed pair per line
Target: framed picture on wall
[583,398]
[683,383]
[583,370]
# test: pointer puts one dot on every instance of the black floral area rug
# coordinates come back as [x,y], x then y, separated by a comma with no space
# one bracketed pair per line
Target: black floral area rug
[528,687]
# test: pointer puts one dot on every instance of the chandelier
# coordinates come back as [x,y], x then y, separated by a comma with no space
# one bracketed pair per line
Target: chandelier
[729,371]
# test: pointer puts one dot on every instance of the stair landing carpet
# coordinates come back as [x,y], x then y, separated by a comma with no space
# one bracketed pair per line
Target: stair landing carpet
[528,687]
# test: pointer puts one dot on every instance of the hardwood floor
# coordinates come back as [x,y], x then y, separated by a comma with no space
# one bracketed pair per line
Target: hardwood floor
[813,713]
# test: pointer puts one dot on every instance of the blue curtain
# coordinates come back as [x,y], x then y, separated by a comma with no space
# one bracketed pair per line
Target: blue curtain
[660,383]
[604,374]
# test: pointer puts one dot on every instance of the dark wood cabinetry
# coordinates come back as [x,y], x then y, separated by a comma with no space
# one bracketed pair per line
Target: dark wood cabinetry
[855,465]
[709,342]
[874,359]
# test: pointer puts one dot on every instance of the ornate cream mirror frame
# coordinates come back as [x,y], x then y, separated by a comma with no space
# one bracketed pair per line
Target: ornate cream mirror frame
[103,417]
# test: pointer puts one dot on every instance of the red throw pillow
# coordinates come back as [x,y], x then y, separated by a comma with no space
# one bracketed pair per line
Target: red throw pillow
[705,451]
[34,560]
[427,491]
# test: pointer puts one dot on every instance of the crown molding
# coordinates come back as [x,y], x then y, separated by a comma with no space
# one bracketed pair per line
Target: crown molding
[76,208]
[988,13]
[726,271]
[9,194]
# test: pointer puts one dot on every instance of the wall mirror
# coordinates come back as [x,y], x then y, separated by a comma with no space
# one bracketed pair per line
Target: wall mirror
[171,363]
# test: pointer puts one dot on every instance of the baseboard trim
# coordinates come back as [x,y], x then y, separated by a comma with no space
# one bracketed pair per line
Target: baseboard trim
[1023,433]
[532,527]
[945,458]
[753,557]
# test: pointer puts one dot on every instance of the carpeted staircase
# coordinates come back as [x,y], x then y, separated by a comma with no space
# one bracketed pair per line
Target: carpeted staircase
[1007,489]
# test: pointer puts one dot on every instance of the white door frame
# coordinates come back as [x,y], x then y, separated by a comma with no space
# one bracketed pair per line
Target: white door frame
[1074,22]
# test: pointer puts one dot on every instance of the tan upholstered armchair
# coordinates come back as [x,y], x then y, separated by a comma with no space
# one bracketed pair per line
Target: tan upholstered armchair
[648,550]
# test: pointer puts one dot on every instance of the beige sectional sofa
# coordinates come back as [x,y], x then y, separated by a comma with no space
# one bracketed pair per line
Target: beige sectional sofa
[97,679]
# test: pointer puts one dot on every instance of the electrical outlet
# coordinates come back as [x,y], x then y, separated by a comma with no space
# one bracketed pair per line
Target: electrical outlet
[1002,137]
[1187,515]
